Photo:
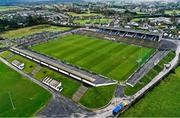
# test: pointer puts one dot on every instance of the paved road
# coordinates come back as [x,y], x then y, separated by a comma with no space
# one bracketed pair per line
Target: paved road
[64,107]
[120,91]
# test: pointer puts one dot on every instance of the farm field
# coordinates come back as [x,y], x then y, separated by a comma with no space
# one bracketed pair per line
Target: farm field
[114,60]
[162,101]
[141,13]
[171,12]
[15,99]
[8,8]
[32,30]
[94,21]
[137,19]
[82,15]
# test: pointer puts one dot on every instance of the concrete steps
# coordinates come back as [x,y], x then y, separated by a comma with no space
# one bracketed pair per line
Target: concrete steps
[79,93]
[36,70]
[9,57]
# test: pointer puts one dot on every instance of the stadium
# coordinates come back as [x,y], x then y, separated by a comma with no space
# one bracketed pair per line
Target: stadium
[84,51]
[95,65]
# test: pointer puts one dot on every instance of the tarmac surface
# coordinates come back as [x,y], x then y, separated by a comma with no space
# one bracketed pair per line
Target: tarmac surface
[64,107]
[120,91]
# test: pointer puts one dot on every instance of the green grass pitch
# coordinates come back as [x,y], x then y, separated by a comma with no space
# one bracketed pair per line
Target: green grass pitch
[19,96]
[114,60]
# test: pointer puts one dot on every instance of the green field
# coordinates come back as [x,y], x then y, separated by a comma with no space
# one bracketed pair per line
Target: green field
[141,13]
[137,19]
[8,8]
[98,97]
[94,21]
[171,12]
[19,96]
[82,15]
[114,60]
[70,86]
[31,30]
[5,54]
[29,65]
[162,101]
[93,98]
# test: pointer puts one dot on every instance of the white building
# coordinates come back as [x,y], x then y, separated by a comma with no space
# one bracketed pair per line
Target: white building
[18,64]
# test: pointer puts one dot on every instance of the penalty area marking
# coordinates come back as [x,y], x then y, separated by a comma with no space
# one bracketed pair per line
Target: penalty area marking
[11,101]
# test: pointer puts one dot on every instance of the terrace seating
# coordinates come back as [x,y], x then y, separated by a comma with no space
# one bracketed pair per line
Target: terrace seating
[129,34]
[148,37]
[156,38]
[129,38]
[140,36]
[121,34]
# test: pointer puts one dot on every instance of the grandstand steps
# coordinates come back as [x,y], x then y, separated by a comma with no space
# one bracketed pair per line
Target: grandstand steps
[124,39]
[79,93]
[138,41]
[9,57]
[133,40]
[142,42]
[36,70]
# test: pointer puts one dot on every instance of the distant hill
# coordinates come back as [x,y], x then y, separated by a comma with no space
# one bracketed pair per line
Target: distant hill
[17,2]
[130,0]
